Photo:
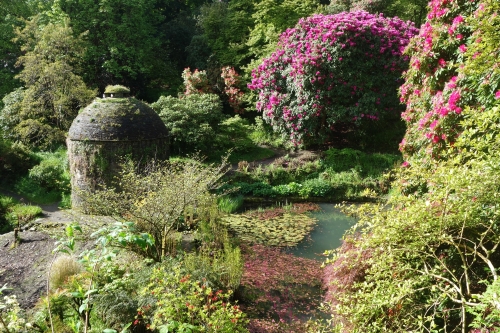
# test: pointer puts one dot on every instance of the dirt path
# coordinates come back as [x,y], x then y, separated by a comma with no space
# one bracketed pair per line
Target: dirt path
[24,266]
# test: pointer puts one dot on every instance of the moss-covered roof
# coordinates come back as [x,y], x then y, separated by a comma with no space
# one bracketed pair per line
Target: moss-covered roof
[117,119]
[116,90]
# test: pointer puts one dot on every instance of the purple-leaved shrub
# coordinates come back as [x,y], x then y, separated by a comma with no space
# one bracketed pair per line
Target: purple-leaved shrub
[332,69]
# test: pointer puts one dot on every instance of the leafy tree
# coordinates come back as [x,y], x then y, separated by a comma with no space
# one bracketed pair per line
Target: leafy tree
[272,18]
[41,113]
[123,44]
[413,10]
[241,31]
[225,28]
[316,79]
[11,13]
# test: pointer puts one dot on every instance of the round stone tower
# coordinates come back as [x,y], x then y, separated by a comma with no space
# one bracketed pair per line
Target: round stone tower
[108,131]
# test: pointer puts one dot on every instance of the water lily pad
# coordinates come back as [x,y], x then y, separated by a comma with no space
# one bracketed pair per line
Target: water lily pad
[286,230]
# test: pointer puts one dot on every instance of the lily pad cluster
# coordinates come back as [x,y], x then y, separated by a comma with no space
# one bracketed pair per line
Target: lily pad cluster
[284,230]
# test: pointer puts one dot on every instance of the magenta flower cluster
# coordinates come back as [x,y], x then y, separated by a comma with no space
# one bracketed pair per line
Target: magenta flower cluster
[434,91]
[331,69]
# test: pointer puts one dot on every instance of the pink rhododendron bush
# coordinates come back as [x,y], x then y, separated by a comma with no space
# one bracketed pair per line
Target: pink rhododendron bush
[332,69]
[454,65]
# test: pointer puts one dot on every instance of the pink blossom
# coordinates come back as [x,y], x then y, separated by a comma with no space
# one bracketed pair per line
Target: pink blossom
[462,48]
[497,94]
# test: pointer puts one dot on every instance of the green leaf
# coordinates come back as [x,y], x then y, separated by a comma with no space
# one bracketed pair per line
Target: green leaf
[83,307]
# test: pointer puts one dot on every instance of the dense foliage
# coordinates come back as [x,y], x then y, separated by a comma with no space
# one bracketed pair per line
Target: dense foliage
[315,79]
[430,262]
[192,120]
[41,113]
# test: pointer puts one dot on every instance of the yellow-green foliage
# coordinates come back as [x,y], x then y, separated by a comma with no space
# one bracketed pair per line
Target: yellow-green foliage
[116,89]
[223,268]
[62,268]
[161,199]
[53,93]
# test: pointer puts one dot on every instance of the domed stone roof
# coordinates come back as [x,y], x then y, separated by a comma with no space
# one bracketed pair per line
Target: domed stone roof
[117,118]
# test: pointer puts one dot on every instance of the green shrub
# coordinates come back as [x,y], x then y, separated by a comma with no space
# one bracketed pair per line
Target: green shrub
[192,121]
[15,160]
[47,181]
[263,134]
[50,174]
[286,189]
[317,187]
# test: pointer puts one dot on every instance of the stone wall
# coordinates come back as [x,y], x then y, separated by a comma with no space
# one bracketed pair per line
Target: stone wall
[97,163]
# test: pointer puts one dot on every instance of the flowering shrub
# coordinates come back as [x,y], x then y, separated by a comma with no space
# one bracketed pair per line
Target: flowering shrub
[451,68]
[231,89]
[331,69]
[11,319]
[195,82]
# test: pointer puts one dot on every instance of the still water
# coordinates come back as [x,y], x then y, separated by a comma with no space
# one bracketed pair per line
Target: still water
[327,235]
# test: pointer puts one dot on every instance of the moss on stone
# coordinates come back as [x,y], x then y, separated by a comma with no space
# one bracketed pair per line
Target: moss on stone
[117,89]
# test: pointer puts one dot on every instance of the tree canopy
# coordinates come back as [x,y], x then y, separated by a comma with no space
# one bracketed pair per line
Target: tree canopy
[41,113]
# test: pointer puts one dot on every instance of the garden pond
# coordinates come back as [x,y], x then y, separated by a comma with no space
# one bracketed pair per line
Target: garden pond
[282,283]
[327,234]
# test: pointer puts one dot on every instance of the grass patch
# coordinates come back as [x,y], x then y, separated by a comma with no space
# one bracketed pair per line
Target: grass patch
[24,213]
[62,268]
[337,174]
[230,204]
[11,211]
[255,153]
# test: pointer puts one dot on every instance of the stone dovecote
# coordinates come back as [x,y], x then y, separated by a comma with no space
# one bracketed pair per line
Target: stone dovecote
[109,130]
